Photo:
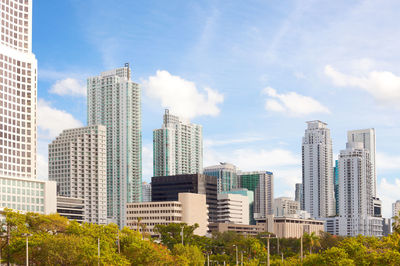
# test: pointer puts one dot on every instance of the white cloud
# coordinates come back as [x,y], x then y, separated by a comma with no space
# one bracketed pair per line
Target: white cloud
[52,121]
[147,161]
[386,162]
[292,103]
[212,143]
[69,86]
[384,86]
[389,193]
[181,96]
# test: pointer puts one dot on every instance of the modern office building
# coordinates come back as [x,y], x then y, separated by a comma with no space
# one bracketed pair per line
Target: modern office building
[114,101]
[225,174]
[78,163]
[336,183]
[177,147]
[285,207]
[146,192]
[299,194]
[396,208]
[368,139]
[18,120]
[167,188]
[357,214]
[190,208]
[250,196]
[233,208]
[71,208]
[287,227]
[318,185]
[262,184]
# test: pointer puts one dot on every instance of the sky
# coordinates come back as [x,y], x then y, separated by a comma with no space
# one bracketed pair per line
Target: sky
[250,72]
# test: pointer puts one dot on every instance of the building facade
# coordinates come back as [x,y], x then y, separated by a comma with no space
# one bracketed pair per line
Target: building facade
[356,209]
[225,174]
[336,183]
[286,227]
[318,184]
[71,208]
[190,208]
[250,196]
[243,229]
[177,147]
[299,194]
[167,188]
[78,163]
[146,192]
[114,101]
[20,190]
[262,184]
[396,208]
[285,207]
[233,208]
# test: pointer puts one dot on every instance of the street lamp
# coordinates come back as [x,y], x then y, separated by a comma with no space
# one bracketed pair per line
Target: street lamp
[237,261]
[27,247]
[3,234]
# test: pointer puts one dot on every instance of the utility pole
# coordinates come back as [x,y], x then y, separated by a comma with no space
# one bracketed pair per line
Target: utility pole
[27,251]
[268,250]
[278,243]
[237,259]
[182,234]
[301,248]
[98,251]
[119,246]
[242,258]
[208,259]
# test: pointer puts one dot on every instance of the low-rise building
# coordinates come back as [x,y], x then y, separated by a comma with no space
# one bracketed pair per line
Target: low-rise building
[233,208]
[239,228]
[284,207]
[286,227]
[71,208]
[190,208]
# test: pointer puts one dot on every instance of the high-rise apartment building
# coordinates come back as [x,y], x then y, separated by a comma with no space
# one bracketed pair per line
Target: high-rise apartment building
[225,174]
[299,194]
[318,185]
[146,192]
[114,101]
[396,208]
[356,209]
[177,147]
[78,163]
[262,184]
[18,100]
[368,139]
[336,183]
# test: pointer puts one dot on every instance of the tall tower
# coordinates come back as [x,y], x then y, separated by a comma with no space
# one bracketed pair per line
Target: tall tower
[318,186]
[356,208]
[17,91]
[226,176]
[177,147]
[368,139]
[114,101]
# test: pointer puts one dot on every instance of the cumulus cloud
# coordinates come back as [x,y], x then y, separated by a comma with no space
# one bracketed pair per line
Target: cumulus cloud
[182,97]
[292,103]
[390,195]
[52,121]
[384,86]
[386,162]
[68,86]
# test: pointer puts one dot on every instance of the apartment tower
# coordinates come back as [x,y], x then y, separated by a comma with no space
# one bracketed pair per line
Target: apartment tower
[114,101]
[78,163]
[318,187]
[225,174]
[177,147]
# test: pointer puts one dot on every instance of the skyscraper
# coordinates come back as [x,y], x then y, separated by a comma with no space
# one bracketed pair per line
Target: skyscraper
[336,182]
[177,147]
[299,194]
[396,208]
[18,103]
[225,174]
[146,192]
[262,184]
[78,162]
[318,186]
[356,209]
[17,91]
[114,101]
[368,139]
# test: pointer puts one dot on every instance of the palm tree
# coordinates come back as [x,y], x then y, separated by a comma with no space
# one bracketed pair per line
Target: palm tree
[139,219]
[313,238]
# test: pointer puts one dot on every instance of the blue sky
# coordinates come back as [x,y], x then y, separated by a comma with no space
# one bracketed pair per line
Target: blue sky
[251,72]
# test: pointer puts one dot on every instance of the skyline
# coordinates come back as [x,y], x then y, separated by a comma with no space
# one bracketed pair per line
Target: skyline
[298,61]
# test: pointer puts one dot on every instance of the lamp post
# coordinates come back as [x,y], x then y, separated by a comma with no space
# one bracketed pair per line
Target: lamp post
[237,260]
[3,234]
[182,234]
[98,251]
[27,247]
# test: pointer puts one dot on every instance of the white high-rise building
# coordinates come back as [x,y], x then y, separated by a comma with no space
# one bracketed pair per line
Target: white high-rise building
[356,208]
[318,189]
[78,163]
[396,208]
[368,139]
[18,100]
[146,192]
[114,101]
[177,147]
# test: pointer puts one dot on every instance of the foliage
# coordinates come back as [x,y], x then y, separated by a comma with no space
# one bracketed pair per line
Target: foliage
[171,233]
[188,255]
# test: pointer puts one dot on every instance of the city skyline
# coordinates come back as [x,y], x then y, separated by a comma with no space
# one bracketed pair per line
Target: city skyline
[312,80]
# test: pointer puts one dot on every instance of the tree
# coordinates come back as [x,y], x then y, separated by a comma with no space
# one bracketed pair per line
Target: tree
[171,234]
[188,255]
[312,240]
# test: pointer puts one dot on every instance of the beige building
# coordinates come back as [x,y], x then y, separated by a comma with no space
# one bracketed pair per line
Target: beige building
[285,227]
[244,229]
[78,163]
[233,208]
[284,207]
[190,208]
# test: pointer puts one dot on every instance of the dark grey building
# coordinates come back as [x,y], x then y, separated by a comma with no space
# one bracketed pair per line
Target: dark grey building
[71,208]
[166,188]
[386,226]
[299,194]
